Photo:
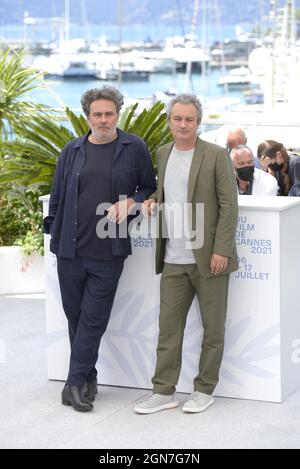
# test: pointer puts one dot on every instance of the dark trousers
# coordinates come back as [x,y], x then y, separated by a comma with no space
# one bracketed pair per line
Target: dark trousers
[88,290]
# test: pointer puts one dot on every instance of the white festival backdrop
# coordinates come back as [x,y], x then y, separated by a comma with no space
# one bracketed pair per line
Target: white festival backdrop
[262,345]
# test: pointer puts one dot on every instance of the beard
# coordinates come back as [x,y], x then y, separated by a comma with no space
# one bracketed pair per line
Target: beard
[104,134]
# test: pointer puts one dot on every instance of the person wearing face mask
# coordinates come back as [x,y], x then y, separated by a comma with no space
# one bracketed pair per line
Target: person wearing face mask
[274,159]
[251,180]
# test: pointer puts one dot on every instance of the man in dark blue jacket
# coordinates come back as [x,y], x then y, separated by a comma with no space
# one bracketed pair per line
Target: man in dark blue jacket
[105,169]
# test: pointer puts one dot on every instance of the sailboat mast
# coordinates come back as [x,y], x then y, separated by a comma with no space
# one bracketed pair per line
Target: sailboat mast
[194,19]
[220,40]
[120,23]
[87,34]
[188,77]
[67,20]
[203,41]
[293,33]
[273,18]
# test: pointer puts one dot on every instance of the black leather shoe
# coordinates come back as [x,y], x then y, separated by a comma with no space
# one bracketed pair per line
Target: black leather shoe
[90,390]
[72,395]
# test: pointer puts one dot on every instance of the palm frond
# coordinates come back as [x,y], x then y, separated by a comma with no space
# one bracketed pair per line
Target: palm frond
[151,125]
[15,82]
[126,117]
[79,123]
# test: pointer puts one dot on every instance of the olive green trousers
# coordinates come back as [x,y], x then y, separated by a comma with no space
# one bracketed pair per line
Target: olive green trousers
[178,287]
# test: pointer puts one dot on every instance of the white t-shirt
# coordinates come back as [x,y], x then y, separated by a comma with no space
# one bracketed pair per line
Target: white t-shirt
[178,247]
[264,183]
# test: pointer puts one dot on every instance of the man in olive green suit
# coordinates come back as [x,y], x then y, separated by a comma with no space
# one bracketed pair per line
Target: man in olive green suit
[193,172]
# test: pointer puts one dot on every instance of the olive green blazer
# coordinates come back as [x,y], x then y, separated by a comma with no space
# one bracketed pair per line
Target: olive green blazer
[212,183]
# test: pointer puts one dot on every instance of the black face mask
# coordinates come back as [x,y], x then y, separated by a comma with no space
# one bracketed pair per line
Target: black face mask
[275,166]
[245,173]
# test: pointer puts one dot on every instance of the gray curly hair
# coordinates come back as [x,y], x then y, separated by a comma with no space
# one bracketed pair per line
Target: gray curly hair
[106,92]
[186,98]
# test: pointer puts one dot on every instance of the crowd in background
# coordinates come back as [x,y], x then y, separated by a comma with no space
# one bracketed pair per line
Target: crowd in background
[270,169]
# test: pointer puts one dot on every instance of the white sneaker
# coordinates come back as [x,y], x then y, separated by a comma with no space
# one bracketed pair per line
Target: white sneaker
[155,403]
[197,402]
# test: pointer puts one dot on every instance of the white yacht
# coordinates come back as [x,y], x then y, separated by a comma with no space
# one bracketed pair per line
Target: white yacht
[239,77]
[68,66]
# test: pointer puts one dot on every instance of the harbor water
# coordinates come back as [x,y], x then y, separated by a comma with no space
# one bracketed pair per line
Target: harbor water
[58,93]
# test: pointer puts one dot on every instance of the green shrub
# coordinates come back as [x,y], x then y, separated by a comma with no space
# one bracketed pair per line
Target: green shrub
[21,221]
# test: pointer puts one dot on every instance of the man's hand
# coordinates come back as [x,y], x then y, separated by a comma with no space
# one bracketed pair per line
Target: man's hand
[119,211]
[264,162]
[148,207]
[218,264]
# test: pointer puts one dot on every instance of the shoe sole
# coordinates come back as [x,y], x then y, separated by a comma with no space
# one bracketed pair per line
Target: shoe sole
[196,410]
[170,405]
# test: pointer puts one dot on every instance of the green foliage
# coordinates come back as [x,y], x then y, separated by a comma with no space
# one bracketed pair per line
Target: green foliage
[32,243]
[15,82]
[150,125]
[10,223]
[79,123]
[21,221]
[30,160]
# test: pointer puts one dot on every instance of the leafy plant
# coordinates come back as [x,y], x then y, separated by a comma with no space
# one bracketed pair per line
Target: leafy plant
[21,220]
[32,243]
[15,82]
[10,223]
[31,159]
[150,125]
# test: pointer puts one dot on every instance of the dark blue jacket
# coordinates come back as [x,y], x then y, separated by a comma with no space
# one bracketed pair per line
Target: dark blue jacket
[132,175]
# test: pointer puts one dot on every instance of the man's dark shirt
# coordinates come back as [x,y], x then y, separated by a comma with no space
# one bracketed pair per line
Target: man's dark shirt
[95,187]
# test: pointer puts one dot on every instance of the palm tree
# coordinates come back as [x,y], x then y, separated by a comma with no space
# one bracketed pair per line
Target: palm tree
[30,160]
[15,82]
